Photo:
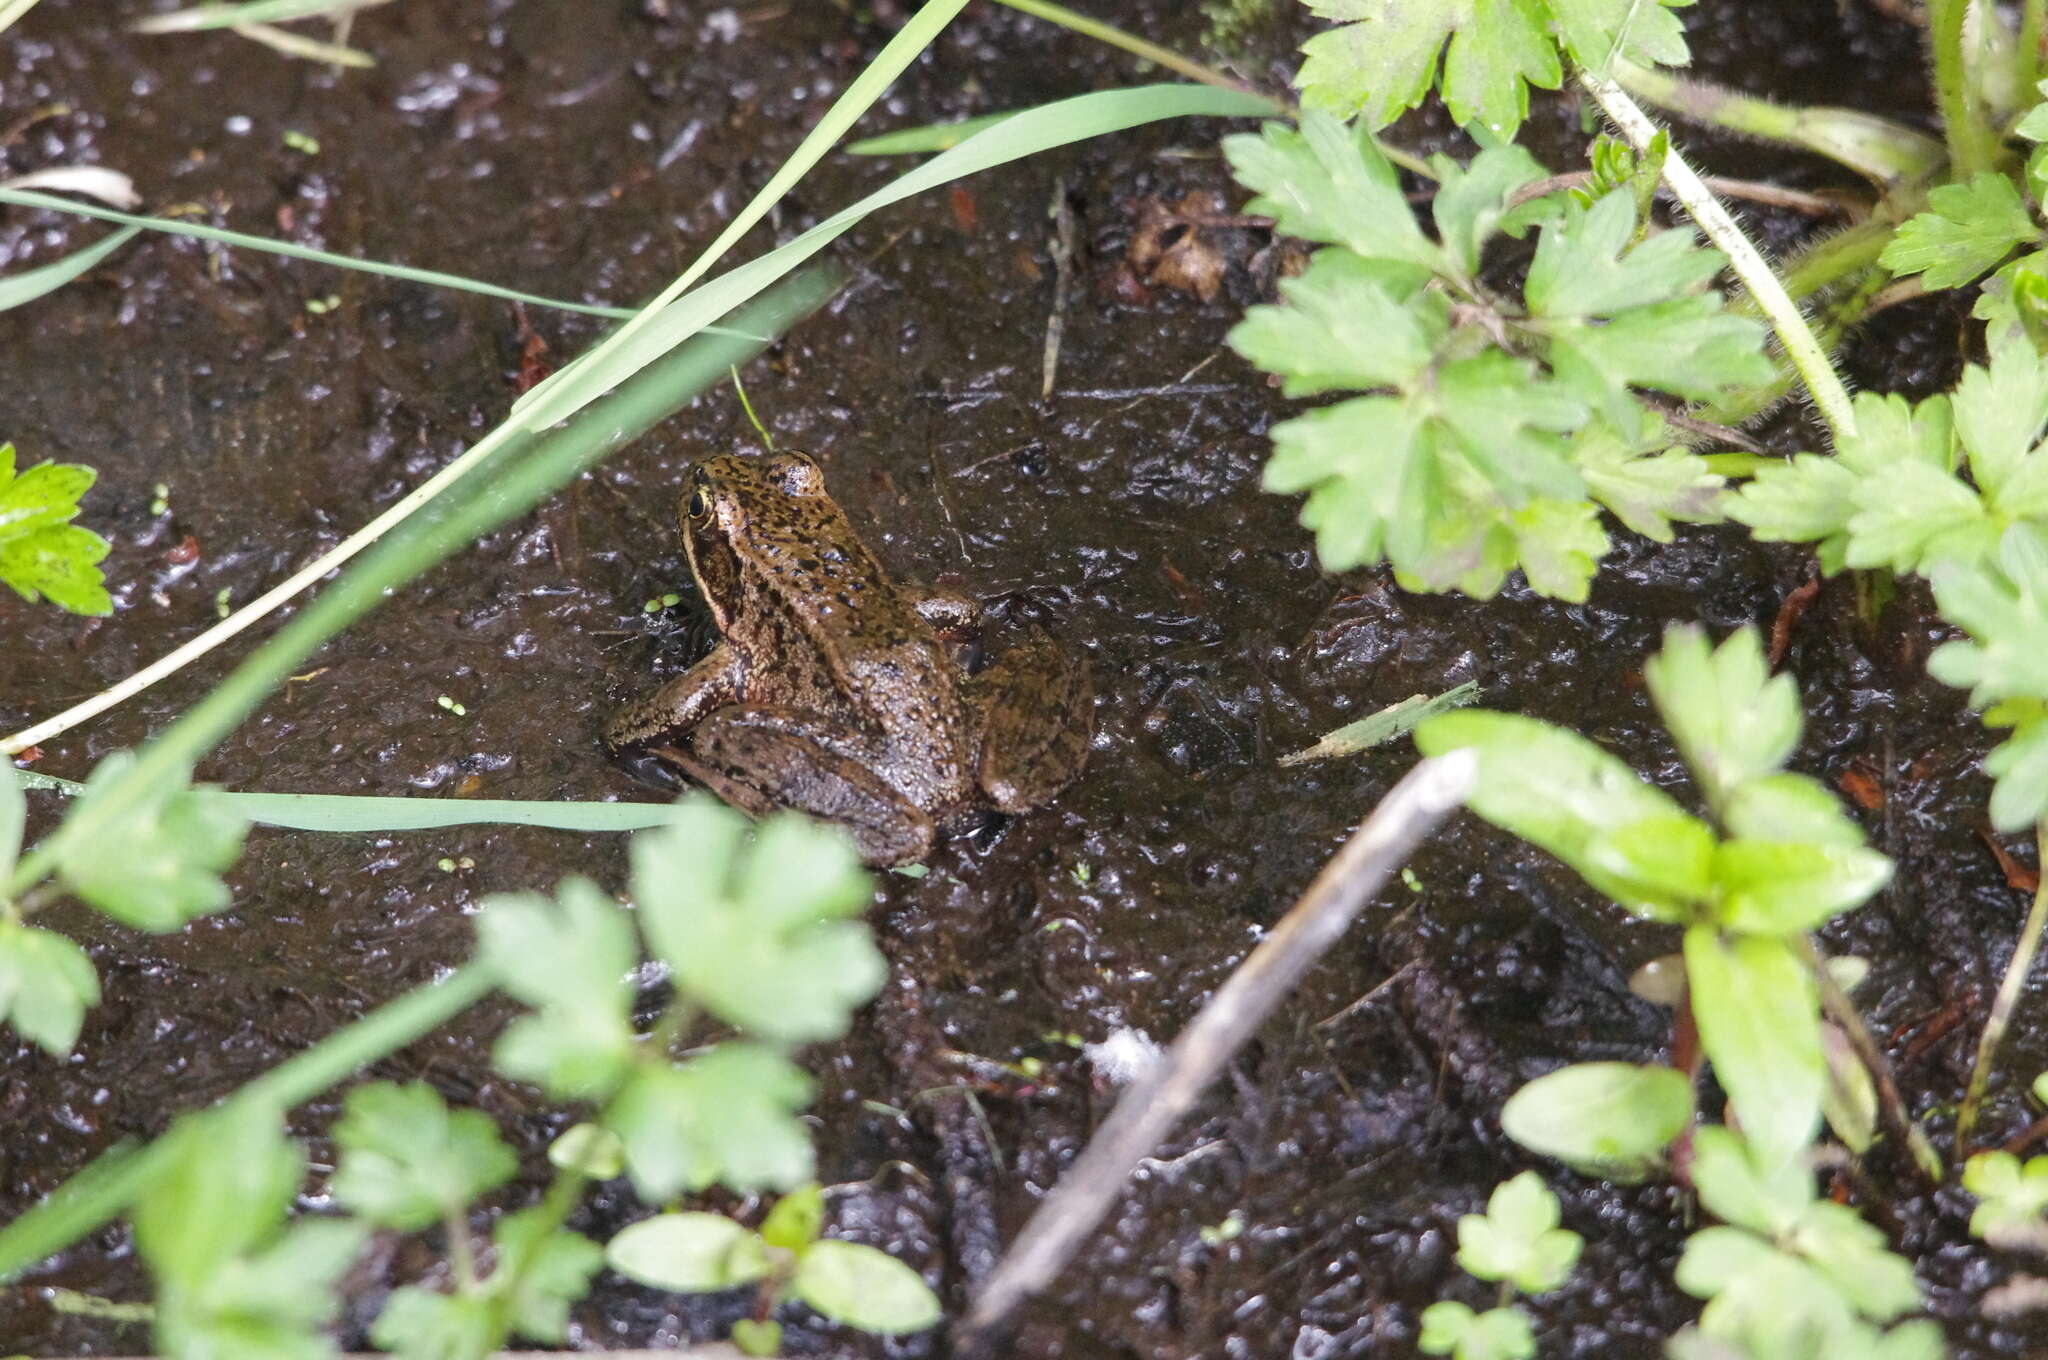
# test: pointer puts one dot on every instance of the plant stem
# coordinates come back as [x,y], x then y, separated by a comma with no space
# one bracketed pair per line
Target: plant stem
[1972,144]
[1838,1007]
[112,1180]
[2009,989]
[1132,43]
[1801,346]
[1885,152]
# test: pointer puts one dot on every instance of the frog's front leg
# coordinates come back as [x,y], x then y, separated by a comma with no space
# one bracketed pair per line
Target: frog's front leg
[1038,707]
[760,759]
[681,704]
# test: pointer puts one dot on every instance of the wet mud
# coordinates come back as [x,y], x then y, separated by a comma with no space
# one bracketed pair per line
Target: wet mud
[585,151]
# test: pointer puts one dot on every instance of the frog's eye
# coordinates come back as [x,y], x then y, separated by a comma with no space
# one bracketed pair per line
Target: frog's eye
[700,508]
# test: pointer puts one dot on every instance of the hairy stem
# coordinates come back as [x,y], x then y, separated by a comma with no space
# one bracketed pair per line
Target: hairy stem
[1815,367]
[1972,144]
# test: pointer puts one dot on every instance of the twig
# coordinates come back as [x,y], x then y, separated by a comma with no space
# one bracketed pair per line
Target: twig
[2002,1005]
[1151,1107]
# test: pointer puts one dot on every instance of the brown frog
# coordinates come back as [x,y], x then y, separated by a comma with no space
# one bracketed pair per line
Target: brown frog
[832,691]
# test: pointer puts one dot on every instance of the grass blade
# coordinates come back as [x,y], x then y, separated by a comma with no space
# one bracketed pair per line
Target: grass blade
[592,372]
[24,288]
[284,42]
[270,245]
[931,137]
[199,18]
[364,812]
[1025,133]
[505,474]
[11,10]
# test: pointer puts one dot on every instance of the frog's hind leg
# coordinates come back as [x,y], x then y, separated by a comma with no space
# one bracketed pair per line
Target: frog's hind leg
[761,759]
[1039,702]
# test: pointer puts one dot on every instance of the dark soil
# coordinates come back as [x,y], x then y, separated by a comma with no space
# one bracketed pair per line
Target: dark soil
[586,150]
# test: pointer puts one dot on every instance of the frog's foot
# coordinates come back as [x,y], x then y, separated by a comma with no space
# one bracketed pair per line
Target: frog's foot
[1040,707]
[761,759]
[678,705]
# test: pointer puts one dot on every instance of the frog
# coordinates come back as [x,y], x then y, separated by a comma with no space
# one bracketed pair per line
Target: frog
[841,693]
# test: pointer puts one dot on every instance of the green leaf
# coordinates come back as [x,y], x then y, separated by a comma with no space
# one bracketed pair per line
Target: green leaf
[1784,887]
[568,959]
[31,284]
[1808,499]
[272,1305]
[46,986]
[1619,316]
[1999,412]
[1922,518]
[1596,32]
[1757,1011]
[2012,1195]
[728,1116]
[1517,1239]
[1967,229]
[1788,807]
[2019,798]
[1451,1328]
[1562,793]
[1732,719]
[1737,1190]
[155,863]
[227,1178]
[688,1253]
[758,937]
[1326,182]
[1343,329]
[864,1288]
[408,1161]
[1559,544]
[588,1150]
[1853,1256]
[2004,609]
[796,1220]
[1608,1119]
[418,1323]
[41,552]
[1386,61]
[1472,200]
[541,1269]
[1647,491]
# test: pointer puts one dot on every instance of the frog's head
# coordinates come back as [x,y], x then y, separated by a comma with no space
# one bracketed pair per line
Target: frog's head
[738,512]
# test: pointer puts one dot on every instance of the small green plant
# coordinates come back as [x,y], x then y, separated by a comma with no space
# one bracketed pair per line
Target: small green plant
[43,555]
[1518,1243]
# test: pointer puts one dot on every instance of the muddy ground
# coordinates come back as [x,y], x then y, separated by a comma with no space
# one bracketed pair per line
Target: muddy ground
[585,150]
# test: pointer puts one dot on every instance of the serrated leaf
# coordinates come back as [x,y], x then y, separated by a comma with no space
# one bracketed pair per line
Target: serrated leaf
[864,1288]
[1967,229]
[1647,492]
[728,1117]
[1386,60]
[1916,518]
[423,1324]
[567,959]
[1732,720]
[688,1253]
[1596,32]
[2004,609]
[1561,793]
[1999,411]
[46,986]
[2019,764]
[1688,347]
[1585,265]
[758,939]
[1757,1011]
[41,552]
[1605,1119]
[155,864]
[1809,499]
[1789,807]
[1472,199]
[407,1160]
[1326,182]
[1559,545]
[1341,330]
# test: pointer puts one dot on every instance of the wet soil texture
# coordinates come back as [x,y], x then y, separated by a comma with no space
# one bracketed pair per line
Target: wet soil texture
[586,150]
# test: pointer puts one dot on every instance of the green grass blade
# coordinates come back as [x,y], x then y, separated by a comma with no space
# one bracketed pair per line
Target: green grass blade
[931,137]
[22,288]
[202,17]
[110,1182]
[366,812]
[269,245]
[514,472]
[1026,133]
[593,371]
